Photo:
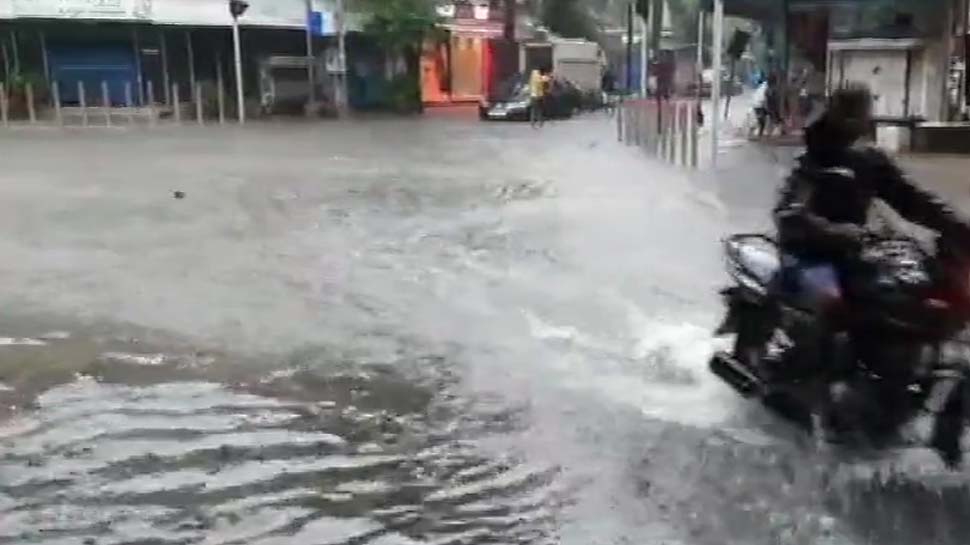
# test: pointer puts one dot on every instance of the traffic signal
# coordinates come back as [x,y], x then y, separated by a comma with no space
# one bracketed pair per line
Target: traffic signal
[237,8]
[642,8]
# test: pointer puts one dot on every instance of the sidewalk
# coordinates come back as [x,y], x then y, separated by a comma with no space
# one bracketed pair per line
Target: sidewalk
[947,175]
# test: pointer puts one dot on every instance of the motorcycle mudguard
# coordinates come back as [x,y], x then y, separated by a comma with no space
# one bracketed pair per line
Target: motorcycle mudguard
[729,324]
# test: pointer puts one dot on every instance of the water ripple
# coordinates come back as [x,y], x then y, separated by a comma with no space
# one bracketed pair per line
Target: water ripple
[200,463]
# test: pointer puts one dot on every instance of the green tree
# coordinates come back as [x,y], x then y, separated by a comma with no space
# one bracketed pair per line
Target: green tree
[569,18]
[400,28]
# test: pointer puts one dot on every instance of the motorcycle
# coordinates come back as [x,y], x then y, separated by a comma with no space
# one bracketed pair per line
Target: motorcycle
[903,358]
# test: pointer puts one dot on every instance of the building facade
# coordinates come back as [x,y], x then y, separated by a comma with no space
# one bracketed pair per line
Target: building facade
[133,52]
[471,60]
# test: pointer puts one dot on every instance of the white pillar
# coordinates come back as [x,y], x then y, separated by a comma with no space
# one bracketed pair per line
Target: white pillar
[237,52]
[717,45]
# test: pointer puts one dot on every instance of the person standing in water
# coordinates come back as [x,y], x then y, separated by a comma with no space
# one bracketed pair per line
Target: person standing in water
[538,83]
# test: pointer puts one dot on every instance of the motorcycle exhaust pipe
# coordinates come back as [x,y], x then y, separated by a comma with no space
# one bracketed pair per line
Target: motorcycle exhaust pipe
[737,376]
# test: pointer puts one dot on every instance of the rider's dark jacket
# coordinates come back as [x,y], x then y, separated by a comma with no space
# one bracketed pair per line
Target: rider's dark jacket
[835,182]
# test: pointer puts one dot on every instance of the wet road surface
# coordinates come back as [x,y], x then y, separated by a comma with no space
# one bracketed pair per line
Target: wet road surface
[395,332]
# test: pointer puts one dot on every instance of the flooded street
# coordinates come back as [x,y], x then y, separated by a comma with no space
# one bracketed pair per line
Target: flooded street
[428,331]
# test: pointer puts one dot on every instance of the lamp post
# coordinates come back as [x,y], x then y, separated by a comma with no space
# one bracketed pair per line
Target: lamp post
[237,8]
[310,69]
[717,45]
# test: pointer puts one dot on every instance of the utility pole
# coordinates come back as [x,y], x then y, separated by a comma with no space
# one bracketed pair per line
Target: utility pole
[509,57]
[700,54]
[343,96]
[657,10]
[629,46]
[965,92]
[310,68]
[237,8]
[644,51]
[717,48]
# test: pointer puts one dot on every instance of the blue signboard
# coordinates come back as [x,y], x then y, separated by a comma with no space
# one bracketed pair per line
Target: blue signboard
[321,24]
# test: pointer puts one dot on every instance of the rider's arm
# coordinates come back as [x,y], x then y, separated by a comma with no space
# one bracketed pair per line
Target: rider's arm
[912,202]
[798,225]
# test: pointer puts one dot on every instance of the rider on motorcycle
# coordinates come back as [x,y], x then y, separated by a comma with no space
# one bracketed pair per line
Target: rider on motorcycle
[823,209]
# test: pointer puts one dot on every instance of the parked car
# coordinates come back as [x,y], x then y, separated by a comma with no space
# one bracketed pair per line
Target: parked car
[513,103]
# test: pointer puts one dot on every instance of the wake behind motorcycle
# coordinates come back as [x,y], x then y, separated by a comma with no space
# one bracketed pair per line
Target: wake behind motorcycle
[902,359]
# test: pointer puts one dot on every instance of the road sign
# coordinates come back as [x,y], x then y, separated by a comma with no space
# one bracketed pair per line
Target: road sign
[321,23]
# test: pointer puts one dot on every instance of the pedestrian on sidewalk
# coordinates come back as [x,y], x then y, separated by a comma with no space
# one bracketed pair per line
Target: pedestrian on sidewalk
[538,87]
[759,103]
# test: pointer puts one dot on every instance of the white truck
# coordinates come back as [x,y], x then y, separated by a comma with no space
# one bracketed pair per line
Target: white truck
[576,60]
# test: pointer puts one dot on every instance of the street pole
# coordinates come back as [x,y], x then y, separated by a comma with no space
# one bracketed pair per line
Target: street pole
[644,56]
[237,53]
[717,47]
[310,69]
[965,94]
[786,67]
[629,46]
[343,97]
[700,54]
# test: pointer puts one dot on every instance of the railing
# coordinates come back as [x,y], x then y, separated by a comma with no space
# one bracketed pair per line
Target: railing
[665,129]
[95,107]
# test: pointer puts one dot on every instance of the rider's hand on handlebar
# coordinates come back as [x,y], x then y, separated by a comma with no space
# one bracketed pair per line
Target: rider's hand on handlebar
[851,232]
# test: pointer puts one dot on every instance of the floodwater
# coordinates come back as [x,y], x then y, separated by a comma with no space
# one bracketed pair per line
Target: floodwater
[426,331]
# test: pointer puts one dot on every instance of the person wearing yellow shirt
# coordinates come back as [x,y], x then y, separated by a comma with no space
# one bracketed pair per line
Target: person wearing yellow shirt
[538,85]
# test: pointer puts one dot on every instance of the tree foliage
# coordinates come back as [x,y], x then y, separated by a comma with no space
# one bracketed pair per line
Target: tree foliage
[586,18]
[399,28]
[399,25]
[568,18]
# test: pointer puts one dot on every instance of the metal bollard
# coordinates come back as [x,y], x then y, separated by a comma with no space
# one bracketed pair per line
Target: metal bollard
[685,115]
[106,103]
[626,123]
[692,127]
[221,97]
[83,101]
[666,131]
[151,103]
[638,123]
[4,106]
[642,135]
[672,134]
[619,121]
[129,103]
[56,94]
[176,103]
[31,107]
[198,104]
